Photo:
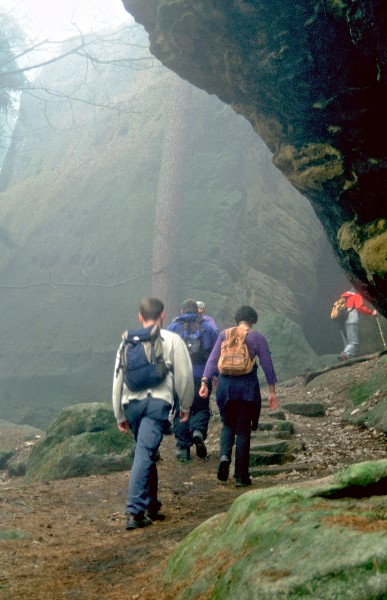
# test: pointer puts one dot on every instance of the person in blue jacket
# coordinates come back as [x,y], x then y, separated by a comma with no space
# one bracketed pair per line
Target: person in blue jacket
[199,338]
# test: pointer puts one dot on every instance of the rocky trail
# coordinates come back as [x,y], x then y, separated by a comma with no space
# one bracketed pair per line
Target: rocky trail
[67,539]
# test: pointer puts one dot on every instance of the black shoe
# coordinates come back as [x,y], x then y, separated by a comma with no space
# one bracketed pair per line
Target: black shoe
[223,468]
[183,455]
[168,430]
[201,450]
[242,482]
[137,521]
[154,514]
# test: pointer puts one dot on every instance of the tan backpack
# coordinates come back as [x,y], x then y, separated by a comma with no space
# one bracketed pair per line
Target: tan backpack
[340,311]
[234,354]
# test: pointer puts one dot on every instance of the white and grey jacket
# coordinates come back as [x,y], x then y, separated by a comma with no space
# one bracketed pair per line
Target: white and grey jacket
[179,378]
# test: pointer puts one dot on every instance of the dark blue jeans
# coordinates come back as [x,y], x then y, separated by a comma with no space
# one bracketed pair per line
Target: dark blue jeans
[198,417]
[238,416]
[148,420]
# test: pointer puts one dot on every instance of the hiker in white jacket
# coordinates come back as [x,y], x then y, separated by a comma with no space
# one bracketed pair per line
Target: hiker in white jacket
[146,414]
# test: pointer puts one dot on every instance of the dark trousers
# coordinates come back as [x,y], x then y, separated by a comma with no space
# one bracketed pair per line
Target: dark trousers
[237,419]
[148,420]
[198,418]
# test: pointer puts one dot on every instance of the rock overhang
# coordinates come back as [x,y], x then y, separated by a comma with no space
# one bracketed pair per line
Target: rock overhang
[311,79]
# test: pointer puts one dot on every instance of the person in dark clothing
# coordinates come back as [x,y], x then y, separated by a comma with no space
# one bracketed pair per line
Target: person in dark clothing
[200,338]
[239,397]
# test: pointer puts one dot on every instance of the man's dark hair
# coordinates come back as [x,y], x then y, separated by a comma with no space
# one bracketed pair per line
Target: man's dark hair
[189,306]
[151,308]
[246,313]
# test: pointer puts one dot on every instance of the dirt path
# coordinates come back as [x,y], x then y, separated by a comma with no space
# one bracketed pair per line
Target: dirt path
[73,543]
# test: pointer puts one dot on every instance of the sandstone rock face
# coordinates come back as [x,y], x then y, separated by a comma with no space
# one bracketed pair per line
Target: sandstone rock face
[78,213]
[311,79]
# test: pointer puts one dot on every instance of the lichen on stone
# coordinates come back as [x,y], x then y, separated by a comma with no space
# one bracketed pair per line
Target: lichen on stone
[369,242]
[374,256]
[309,166]
[337,7]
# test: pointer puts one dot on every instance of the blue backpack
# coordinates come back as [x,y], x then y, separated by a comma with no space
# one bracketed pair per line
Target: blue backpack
[193,336]
[142,360]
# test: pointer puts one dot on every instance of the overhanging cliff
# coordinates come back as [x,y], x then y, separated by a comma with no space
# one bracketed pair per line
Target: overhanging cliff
[311,79]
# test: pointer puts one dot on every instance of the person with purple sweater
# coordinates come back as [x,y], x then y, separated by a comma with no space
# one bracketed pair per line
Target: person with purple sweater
[205,317]
[239,397]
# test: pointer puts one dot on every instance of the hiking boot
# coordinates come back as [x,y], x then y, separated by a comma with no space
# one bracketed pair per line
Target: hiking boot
[168,429]
[201,450]
[223,467]
[155,516]
[137,521]
[242,482]
[183,455]
[153,512]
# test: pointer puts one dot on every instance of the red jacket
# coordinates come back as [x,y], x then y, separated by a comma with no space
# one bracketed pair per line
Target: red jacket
[356,301]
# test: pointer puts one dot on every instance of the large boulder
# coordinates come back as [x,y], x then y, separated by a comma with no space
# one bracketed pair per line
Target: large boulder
[328,541]
[84,440]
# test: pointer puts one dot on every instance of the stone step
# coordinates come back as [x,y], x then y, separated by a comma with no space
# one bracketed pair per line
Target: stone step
[276,469]
[274,453]
[284,446]
[257,458]
[305,409]
[276,426]
[278,415]
[268,445]
[272,435]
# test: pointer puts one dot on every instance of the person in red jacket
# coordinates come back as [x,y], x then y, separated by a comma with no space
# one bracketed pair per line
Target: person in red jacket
[350,334]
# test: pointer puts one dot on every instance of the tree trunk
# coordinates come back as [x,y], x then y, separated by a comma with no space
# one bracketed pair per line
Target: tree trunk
[165,245]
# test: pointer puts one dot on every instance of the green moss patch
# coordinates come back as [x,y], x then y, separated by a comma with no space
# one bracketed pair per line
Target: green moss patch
[377,382]
[84,440]
[288,543]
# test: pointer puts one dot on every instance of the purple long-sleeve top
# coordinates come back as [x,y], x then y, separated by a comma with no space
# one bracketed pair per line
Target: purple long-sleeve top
[257,345]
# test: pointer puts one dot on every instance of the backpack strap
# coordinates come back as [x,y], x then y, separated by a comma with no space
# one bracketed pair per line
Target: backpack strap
[245,329]
[120,365]
[230,332]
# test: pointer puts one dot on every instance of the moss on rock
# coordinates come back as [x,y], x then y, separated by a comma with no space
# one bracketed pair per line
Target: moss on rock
[83,440]
[362,474]
[310,166]
[287,543]
[370,243]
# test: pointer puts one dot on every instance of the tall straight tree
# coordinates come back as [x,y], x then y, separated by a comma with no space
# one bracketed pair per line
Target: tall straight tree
[169,191]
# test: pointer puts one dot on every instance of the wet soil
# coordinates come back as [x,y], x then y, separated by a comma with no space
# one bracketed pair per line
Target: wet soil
[67,539]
